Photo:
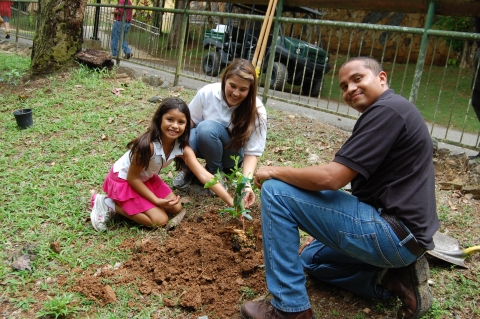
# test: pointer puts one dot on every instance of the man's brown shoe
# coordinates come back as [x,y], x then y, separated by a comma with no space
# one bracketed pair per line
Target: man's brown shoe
[265,310]
[410,284]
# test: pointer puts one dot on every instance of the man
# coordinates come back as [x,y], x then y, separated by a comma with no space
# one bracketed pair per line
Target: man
[117,27]
[371,242]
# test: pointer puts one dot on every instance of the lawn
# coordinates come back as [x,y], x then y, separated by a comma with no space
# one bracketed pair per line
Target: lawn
[49,171]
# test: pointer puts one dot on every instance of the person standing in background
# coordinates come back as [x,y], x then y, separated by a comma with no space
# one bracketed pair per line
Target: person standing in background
[6,14]
[117,27]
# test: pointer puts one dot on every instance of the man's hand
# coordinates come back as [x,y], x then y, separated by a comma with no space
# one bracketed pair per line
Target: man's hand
[305,244]
[263,173]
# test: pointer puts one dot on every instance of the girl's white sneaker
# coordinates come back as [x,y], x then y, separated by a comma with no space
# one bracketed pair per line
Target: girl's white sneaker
[100,213]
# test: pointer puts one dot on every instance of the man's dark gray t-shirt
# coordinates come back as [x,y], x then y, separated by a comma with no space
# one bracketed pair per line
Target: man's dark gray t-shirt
[391,149]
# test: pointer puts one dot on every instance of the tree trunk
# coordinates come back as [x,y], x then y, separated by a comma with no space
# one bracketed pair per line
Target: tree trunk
[59,35]
[176,31]
[157,15]
[468,55]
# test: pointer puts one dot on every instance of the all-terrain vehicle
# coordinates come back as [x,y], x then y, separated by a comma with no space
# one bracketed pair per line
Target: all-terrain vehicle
[296,62]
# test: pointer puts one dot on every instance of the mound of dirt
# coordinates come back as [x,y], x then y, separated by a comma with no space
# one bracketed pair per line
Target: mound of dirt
[208,264]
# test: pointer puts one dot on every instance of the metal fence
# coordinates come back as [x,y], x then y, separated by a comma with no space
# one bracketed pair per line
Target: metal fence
[419,61]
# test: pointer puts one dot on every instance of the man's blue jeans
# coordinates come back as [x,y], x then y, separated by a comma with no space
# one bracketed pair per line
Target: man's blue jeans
[208,140]
[117,25]
[354,245]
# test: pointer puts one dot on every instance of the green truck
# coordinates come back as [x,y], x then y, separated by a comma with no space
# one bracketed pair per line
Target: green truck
[296,62]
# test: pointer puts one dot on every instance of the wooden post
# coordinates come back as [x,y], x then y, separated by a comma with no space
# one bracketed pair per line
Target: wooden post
[263,38]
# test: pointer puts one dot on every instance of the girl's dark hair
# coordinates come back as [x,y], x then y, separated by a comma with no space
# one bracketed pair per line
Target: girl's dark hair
[243,118]
[141,144]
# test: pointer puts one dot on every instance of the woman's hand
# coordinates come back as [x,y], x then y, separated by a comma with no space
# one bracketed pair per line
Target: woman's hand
[168,202]
[309,240]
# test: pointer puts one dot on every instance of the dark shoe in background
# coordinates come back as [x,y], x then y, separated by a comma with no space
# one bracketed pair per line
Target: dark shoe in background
[7,36]
[128,55]
[410,285]
[183,178]
[474,156]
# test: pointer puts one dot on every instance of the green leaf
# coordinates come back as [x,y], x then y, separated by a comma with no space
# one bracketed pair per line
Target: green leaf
[211,182]
[247,216]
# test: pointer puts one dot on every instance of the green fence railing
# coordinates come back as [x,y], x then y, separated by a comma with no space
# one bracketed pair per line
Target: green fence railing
[417,60]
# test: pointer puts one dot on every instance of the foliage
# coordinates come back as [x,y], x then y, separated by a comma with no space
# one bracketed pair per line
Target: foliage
[247,292]
[59,306]
[452,23]
[460,24]
[11,77]
[12,69]
[239,182]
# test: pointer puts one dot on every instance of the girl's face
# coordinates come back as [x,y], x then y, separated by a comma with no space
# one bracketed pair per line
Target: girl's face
[236,90]
[173,124]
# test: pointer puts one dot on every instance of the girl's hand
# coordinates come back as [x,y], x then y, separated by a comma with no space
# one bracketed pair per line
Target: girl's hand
[249,197]
[168,202]
[305,244]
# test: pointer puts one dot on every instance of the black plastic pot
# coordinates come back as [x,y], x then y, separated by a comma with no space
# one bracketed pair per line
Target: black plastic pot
[24,118]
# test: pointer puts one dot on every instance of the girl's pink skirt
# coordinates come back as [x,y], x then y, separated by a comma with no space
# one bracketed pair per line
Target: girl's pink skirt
[127,198]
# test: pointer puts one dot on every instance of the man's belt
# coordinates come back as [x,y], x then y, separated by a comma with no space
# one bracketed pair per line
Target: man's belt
[127,21]
[402,233]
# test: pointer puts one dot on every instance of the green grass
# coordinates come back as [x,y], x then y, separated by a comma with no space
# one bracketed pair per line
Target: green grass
[48,171]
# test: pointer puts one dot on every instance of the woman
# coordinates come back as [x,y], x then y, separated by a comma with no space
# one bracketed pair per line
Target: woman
[228,120]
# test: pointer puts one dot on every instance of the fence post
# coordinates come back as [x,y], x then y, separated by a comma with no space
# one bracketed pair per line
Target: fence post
[273,47]
[182,44]
[421,55]
[96,22]
[17,27]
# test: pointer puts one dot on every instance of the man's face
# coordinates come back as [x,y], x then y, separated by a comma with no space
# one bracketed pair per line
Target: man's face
[360,86]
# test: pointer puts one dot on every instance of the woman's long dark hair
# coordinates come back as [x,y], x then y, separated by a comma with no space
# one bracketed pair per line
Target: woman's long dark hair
[243,118]
[141,144]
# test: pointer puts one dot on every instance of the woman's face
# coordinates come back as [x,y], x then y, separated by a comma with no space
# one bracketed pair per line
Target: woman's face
[236,90]
[173,124]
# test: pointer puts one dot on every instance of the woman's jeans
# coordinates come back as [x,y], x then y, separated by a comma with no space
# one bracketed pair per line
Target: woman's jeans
[208,140]
[353,248]
[117,26]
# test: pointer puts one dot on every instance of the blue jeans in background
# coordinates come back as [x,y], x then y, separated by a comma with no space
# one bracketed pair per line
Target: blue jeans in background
[117,25]
[208,140]
[354,245]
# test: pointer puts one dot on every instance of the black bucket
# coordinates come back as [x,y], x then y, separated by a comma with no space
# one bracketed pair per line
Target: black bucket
[24,118]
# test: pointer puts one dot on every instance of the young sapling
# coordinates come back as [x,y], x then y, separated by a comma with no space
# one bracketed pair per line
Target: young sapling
[239,182]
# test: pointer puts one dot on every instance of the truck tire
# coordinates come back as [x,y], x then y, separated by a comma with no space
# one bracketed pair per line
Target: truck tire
[211,63]
[279,75]
[316,86]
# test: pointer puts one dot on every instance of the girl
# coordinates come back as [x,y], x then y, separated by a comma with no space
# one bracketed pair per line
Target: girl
[133,186]
[228,120]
